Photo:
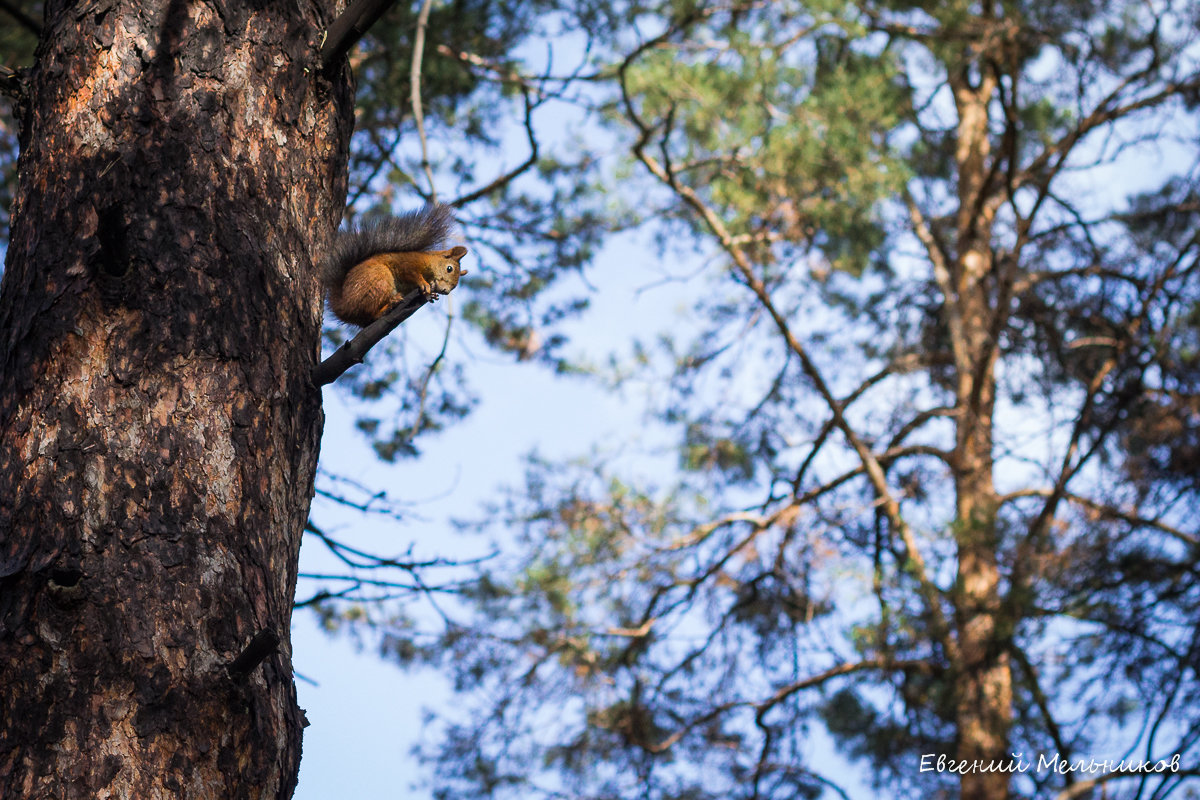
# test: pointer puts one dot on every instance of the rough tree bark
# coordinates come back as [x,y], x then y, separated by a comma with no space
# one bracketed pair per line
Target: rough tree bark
[159,318]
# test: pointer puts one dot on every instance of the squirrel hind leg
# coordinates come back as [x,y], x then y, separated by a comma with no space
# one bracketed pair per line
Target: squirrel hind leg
[367,293]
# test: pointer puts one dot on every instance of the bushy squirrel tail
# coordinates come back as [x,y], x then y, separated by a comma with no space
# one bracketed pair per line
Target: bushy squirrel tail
[417,231]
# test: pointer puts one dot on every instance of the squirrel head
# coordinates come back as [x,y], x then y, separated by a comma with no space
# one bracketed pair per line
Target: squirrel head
[447,268]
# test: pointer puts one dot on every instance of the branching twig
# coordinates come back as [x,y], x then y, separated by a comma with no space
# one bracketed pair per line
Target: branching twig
[533,95]
[515,172]
[423,394]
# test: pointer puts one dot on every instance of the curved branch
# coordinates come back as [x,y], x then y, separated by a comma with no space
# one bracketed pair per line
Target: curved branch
[529,91]
[942,266]
[508,177]
[437,361]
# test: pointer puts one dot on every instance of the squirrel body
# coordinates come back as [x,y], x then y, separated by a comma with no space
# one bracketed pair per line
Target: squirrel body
[374,267]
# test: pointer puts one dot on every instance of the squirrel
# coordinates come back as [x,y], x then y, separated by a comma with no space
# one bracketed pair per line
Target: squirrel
[373,267]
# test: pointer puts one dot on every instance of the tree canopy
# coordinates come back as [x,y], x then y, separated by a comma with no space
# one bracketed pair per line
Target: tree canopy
[933,409]
[934,399]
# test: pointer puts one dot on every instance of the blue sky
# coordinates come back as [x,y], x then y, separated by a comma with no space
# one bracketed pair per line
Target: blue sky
[365,714]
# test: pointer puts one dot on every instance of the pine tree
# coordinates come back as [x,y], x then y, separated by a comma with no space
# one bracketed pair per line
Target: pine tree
[180,167]
[936,428]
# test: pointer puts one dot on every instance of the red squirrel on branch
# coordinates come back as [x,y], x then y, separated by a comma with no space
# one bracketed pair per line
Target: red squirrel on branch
[373,267]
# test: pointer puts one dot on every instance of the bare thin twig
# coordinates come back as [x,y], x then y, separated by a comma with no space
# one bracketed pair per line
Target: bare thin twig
[424,393]
[414,77]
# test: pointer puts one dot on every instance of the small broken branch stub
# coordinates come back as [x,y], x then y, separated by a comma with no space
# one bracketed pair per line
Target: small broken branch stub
[262,645]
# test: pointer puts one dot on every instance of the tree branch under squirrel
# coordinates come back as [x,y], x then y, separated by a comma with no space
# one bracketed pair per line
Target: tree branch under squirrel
[353,351]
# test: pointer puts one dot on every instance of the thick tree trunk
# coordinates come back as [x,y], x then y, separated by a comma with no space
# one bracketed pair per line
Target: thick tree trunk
[983,684]
[159,317]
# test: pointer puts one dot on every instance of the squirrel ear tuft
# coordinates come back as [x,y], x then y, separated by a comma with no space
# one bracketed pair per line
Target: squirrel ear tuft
[458,252]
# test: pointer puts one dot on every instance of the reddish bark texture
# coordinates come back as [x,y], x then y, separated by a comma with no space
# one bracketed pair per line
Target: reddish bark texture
[159,318]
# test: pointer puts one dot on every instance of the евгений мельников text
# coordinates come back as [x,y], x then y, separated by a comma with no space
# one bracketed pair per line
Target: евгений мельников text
[933,762]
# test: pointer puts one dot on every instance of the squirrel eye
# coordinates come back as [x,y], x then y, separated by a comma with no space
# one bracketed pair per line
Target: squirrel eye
[449,268]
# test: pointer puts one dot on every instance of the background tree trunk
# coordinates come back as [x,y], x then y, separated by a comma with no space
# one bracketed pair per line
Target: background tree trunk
[159,317]
[983,684]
